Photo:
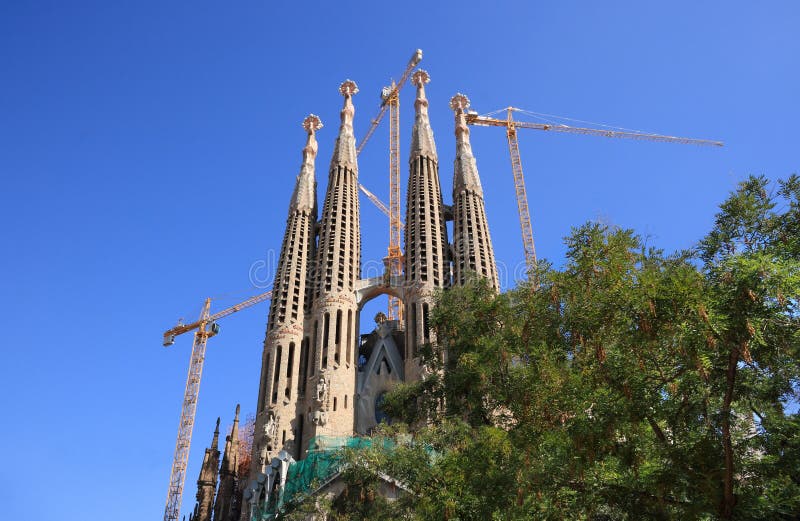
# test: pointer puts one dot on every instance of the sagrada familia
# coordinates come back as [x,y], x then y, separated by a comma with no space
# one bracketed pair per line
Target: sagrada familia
[321,379]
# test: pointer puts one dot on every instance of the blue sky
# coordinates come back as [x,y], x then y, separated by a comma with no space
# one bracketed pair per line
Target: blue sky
[148,151]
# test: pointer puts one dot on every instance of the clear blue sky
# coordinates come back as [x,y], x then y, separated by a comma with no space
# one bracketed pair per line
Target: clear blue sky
[148,151]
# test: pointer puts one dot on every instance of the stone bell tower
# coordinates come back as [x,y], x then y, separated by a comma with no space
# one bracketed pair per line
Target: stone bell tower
[331,327]
[426,264]
[278,425]
[472,245]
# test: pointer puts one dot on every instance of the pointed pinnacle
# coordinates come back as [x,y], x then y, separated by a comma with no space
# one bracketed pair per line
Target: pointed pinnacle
[235,429]
[465,175]
[422,143]
[344,151]
[215,441]
[304,196]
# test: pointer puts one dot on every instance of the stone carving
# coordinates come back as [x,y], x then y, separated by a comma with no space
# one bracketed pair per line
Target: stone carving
[267,436]
[318,418]
[322,389]
[271,427]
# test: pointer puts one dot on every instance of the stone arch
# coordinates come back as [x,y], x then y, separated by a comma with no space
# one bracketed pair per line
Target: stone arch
[369,289]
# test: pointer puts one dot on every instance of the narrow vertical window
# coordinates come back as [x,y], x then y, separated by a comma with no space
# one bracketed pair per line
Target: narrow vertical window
[338,354]
[275,374]
[349,338]
[326,329]
[412,329]
[314,349]
[301,384]
[299,437]
[264,383]
[425,329]
[290,363]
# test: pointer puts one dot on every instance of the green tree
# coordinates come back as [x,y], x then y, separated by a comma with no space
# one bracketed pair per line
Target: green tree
[629,384]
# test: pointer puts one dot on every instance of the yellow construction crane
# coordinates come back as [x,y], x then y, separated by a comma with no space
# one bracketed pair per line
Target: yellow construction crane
[204,328]
[390,100]
[511,125]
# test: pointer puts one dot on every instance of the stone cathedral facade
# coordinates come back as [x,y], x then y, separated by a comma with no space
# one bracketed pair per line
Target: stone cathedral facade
[319,377]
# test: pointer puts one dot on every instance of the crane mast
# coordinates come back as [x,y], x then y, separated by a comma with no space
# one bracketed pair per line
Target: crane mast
[511,125]
[522,195]
[204,328]
[177,475]
[391,102]
[394,258]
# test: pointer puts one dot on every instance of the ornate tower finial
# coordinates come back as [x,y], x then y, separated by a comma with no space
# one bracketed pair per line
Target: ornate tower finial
[348,88]
[420,78]
[312,123]
[459,102]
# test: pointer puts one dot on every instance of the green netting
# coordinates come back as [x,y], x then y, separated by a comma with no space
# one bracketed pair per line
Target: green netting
[322,461]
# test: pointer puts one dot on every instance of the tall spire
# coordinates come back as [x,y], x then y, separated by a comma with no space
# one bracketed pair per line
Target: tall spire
[231,446]
[285,357]
[426,263]
[305,190]
[226,501]
[472,244]
[339,223]
[466,169]
[344,151]
[331,324]
[422,143]
[235,428]
[207,481]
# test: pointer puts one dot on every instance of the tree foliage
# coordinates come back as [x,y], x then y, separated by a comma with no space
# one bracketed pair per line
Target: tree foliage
[630,384]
